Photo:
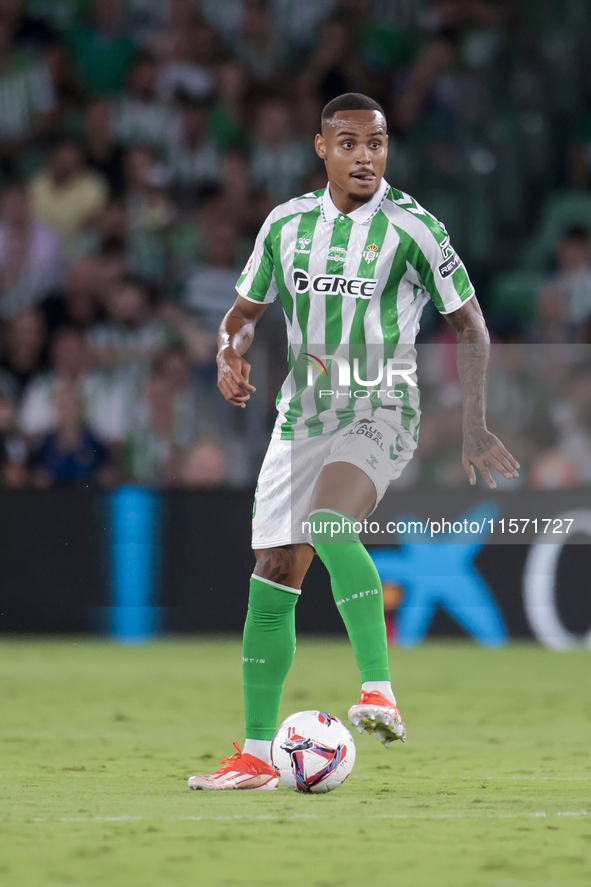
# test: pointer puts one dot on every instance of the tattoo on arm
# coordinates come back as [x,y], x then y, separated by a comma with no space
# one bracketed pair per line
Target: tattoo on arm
[237,332]
[469,324]
[238,326]
[473,363]
[244,338]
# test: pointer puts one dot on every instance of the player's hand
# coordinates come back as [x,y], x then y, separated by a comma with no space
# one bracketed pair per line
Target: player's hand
[483,449]
[233,374]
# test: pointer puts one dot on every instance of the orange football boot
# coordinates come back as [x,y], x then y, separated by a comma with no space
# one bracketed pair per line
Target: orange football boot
[239,771]
[376,714]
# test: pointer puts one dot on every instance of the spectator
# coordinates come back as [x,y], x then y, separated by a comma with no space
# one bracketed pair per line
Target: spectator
[570,412]
[211,287]
[185,332]
[23,355]
[183,249]
[194,405]
[194,158]
[148,201]
[334,68]
[516,400]
[29,31]
[436,58]
[30,256]
[71,454]
[27,99]
[552,470]
[300,22]
[226,118]
[182,16]
[102,52]
[81,302]
[69,97]
[173,413]
[59,16]
[143,17]
[143,252]
[110,226]
[140,116]
[102,153]
[225,18]
[190,70]
[13,447]
[280,159]
[129,336]
[237,198]
[68,362]
[107,402]
[37,28]
[204,466]
[258,46]
[66,194]
[152,453]
[564,303]
[138,163]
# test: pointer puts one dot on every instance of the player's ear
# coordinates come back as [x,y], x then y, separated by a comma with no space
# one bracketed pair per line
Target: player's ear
[320,146]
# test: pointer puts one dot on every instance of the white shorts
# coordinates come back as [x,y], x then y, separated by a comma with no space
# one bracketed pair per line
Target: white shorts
[380,446]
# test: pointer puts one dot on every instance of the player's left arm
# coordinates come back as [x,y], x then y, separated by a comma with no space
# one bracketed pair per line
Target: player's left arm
[481,448]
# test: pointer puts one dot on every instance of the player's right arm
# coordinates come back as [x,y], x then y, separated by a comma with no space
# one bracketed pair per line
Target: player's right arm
[257,288]
[234,339]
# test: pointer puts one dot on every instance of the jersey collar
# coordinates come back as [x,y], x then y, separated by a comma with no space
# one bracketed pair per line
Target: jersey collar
[362,214]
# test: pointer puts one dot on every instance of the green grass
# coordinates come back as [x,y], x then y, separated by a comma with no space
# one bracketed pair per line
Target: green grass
[492,788]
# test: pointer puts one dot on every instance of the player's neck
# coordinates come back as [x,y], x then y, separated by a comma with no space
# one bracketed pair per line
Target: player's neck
[341,199]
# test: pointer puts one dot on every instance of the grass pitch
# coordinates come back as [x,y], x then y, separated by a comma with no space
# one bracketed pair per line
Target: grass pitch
[492,788]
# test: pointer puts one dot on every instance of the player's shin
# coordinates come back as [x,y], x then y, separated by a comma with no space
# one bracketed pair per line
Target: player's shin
[357,590]
[268,651]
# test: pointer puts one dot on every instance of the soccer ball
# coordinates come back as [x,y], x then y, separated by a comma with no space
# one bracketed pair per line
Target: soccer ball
[312,752]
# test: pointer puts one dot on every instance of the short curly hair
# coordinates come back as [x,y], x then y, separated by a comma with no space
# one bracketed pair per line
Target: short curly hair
[350,101]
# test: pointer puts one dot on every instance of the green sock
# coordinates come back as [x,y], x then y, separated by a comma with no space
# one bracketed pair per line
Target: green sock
[357,590]
[267,653]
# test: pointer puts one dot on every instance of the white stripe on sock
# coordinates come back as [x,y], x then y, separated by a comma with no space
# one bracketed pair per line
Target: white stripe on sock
[384,687]
[260,748]
[277,585]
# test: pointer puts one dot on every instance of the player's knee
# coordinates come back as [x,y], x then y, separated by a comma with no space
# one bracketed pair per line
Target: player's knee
[286,565]
[329,526]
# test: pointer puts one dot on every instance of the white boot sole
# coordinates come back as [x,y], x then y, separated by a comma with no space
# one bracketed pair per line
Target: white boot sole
[268,786]
[375,719]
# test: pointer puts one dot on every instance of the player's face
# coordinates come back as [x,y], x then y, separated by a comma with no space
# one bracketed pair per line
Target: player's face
[354,147]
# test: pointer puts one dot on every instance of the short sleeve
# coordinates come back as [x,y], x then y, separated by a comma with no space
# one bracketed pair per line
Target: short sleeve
[257,281]
[442,272]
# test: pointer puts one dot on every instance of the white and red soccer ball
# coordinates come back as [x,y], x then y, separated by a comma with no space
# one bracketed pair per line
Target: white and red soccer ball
[313,752]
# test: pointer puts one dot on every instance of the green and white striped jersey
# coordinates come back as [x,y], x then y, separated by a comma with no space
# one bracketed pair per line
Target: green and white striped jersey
[353,288]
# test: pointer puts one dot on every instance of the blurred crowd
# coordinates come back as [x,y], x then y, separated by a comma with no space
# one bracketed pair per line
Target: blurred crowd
[539,405]
[142,144]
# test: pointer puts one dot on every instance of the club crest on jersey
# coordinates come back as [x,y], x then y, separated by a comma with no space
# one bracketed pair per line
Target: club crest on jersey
[337,254]
[371,253]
